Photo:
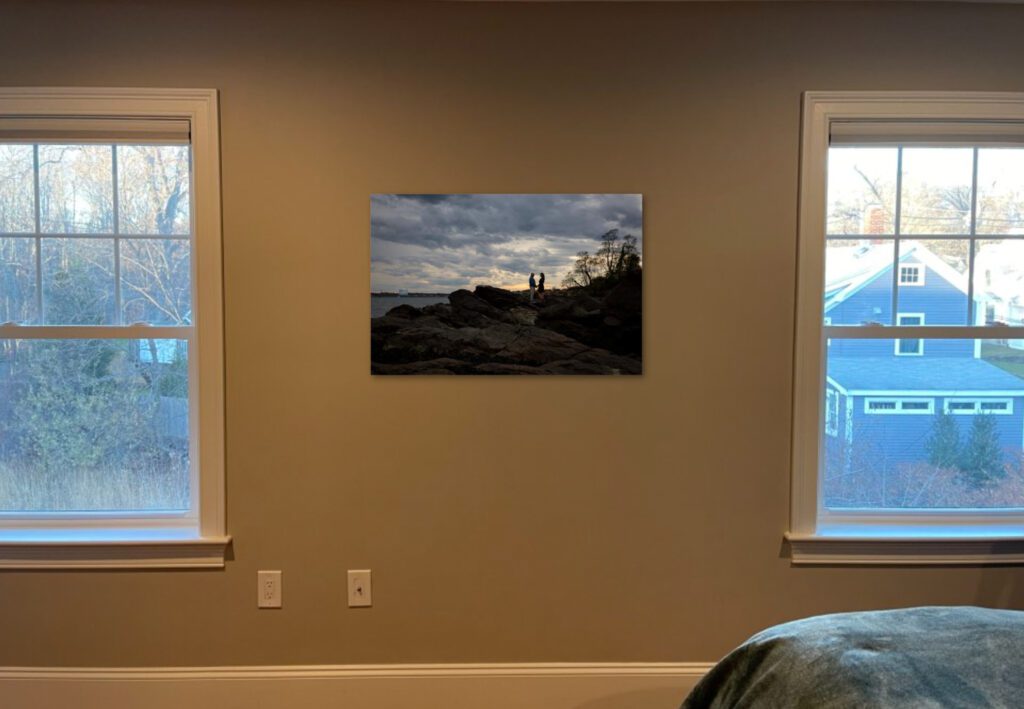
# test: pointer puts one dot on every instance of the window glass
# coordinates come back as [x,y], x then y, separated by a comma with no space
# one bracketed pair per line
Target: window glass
[939,431]
[936,191]
[861,190]
[17,280]
[153,189]
[94,425]
[1001,191]
[156,283]
[17,200]
[76,189]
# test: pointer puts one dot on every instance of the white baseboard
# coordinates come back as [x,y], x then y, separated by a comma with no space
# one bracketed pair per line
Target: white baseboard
[487,686]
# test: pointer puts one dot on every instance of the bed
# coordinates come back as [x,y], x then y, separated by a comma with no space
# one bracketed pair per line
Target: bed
[913,657]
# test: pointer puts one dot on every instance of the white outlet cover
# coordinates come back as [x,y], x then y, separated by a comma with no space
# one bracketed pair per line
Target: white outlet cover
[268,589]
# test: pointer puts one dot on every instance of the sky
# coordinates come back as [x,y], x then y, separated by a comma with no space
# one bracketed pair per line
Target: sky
[440,243]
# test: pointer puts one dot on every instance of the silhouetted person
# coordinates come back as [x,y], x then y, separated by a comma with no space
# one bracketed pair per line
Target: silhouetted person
[540,288]
[533,287]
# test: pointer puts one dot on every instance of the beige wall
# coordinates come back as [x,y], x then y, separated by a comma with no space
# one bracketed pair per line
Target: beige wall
[504,519]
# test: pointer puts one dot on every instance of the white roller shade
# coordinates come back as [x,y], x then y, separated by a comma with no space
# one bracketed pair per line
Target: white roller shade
[927,132]
[28,129]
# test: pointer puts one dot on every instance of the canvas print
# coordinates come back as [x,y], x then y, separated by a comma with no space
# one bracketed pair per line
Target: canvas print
[506,284]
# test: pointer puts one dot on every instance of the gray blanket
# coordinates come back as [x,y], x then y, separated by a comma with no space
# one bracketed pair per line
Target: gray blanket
[915,657]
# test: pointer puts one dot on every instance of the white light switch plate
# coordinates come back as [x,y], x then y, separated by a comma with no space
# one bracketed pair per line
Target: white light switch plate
[360,594]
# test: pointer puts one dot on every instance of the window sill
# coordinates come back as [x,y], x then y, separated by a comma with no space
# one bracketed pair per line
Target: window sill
[110,549]
[907,546]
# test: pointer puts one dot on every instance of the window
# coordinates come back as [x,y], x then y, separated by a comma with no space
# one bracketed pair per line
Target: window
[111,413]
[910,347]
[911,246]
[911,275]
[898,406]
[979,406]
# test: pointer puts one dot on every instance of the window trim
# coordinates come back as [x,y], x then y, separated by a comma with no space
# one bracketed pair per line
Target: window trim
[865,537]
[162,541]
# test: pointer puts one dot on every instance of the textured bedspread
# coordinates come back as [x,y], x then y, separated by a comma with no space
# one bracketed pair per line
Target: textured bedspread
[915,657]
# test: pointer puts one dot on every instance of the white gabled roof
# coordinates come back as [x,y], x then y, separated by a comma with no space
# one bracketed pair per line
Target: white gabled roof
[849,268]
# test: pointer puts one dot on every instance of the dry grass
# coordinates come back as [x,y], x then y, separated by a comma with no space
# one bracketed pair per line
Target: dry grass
[27,488]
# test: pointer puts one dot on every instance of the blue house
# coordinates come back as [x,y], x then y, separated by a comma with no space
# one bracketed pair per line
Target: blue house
[882,396]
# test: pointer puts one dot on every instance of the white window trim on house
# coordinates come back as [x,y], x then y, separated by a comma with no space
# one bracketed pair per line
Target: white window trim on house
[817,535]
[977,406]
[99,540]
[919,352]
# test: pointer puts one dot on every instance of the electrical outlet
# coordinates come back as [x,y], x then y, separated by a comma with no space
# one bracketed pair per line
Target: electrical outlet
[268,589]
[359,589]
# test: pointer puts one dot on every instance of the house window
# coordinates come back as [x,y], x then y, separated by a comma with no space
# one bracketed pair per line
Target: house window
[898,406]
[894,188]
[979,406]
[911,275]
[910,347]
[111,412]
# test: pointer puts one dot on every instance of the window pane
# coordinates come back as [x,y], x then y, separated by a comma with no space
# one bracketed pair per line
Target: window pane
[156,281]
[17,203]
[999,281]
[941,430]
[861,190]
[936,191]
[78,281]
[76,189]
[153,189]
[1001,191]
[933,280]
[17,279]
[93,425]
[858,282]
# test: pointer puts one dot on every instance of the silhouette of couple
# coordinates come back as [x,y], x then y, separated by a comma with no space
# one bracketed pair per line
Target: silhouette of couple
[537,288]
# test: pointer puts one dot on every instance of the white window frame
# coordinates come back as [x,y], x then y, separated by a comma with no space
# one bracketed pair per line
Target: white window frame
[815,535]
[199,538]
[917,268]
[920,342]
[976,409]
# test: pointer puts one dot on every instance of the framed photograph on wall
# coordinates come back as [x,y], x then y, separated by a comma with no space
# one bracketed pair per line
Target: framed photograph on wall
[506,284]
